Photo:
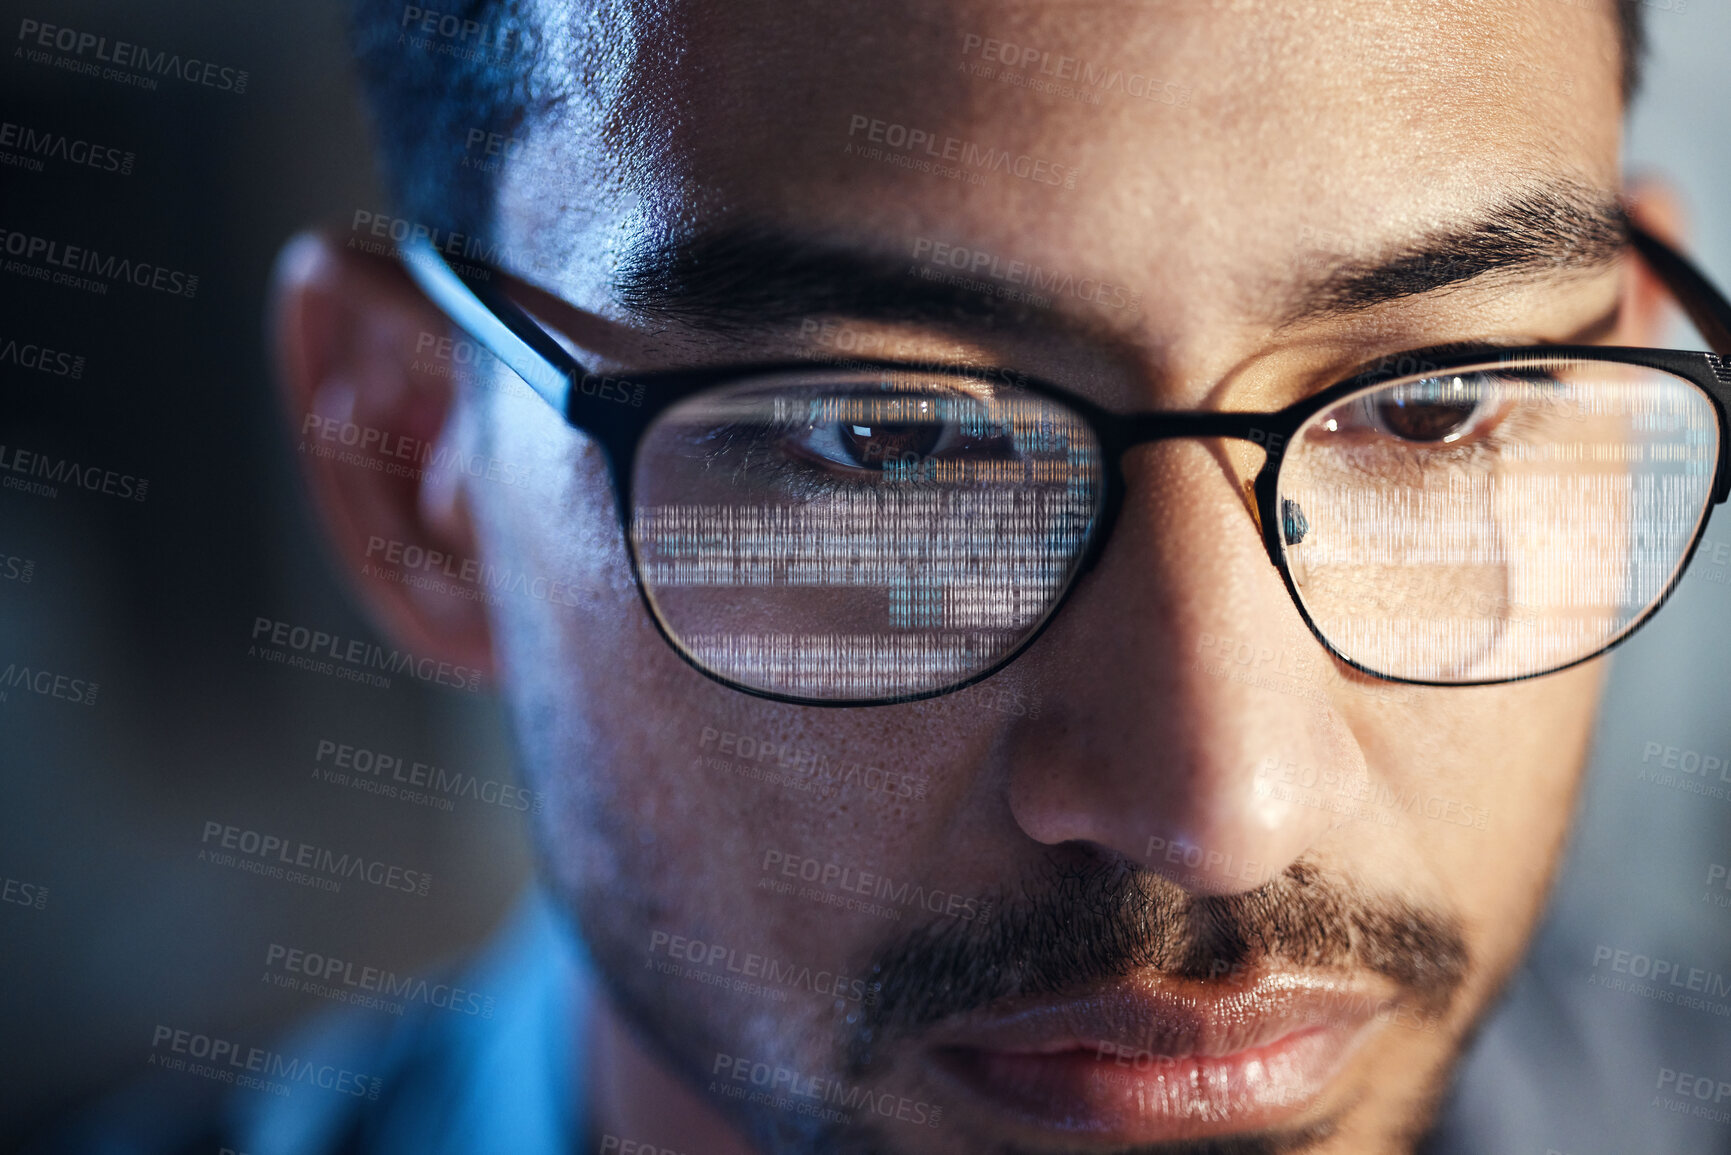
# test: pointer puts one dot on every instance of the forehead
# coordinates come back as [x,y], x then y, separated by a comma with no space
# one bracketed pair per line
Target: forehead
[1188,138]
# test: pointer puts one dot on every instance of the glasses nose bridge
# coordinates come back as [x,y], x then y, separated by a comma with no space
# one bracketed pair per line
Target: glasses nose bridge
[1262,429]
[1268,431]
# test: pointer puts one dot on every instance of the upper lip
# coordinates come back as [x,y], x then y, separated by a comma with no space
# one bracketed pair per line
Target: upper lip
[1161,1017]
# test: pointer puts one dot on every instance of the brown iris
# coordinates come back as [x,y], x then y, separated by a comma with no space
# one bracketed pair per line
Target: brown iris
[874,443]
[1427,419]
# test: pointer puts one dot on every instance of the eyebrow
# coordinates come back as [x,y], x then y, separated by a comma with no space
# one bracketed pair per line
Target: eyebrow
[754,278]
[745,279]
[1559,228]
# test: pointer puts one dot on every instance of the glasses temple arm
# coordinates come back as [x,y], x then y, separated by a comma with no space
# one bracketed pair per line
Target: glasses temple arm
[1705,305]
[502,328]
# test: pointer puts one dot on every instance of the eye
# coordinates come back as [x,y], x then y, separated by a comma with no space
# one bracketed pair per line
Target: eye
[872,445]
[1435,410]
[870,442]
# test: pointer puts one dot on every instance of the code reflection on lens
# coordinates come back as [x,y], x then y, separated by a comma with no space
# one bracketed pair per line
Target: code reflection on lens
[860,538]
[1496,524]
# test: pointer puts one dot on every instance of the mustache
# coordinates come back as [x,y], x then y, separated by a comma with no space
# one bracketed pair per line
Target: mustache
[1087,917]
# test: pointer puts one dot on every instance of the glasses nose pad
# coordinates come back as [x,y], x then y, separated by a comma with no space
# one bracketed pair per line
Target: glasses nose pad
[1293,525]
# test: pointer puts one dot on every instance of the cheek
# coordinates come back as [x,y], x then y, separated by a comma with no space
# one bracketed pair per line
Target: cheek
[660,782]
[573,645]
[1484,782]
[561,528]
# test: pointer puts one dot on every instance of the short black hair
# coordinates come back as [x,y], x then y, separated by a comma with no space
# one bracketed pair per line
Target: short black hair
[476,67]
[434,78]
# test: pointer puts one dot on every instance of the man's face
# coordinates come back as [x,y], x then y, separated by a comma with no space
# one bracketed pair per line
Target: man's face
[1175,873]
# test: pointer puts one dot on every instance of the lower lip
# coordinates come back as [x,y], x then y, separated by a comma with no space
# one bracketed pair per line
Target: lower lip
[1145,1099]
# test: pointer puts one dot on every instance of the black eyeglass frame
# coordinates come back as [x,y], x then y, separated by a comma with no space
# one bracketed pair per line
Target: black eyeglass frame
[617,424]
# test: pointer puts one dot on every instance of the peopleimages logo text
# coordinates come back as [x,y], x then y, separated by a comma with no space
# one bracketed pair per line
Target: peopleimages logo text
[359,654]
[964,152]
[369,232]
[64,471]
[275,848]
[834,876]
[124,54]
[29,355]
[34,145]
[358,982]
[461,32]
[87,261]
[47,684]
[229,1062]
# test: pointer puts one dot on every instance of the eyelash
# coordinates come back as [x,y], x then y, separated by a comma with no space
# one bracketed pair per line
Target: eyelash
[768,455]
[1494,433]
[765,462]
[762,454]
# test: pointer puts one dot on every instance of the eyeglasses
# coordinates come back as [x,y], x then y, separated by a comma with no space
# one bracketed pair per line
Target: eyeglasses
[877,532]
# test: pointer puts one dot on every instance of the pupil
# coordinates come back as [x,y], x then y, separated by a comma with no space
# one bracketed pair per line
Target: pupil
[873,446]
[1427,418]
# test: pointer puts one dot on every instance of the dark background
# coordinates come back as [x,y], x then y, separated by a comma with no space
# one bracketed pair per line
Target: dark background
[104,804]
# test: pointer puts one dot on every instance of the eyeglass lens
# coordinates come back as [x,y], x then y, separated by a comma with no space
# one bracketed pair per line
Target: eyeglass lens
[1495,522]
[865,536]
[852,537]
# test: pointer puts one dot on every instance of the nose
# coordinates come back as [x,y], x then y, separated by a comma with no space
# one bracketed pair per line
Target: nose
[1182,687]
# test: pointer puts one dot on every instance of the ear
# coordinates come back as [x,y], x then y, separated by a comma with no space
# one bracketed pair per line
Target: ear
[1647,304]
[379,440]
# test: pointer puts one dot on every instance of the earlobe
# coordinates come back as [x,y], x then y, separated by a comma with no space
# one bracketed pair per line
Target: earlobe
[379,440]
